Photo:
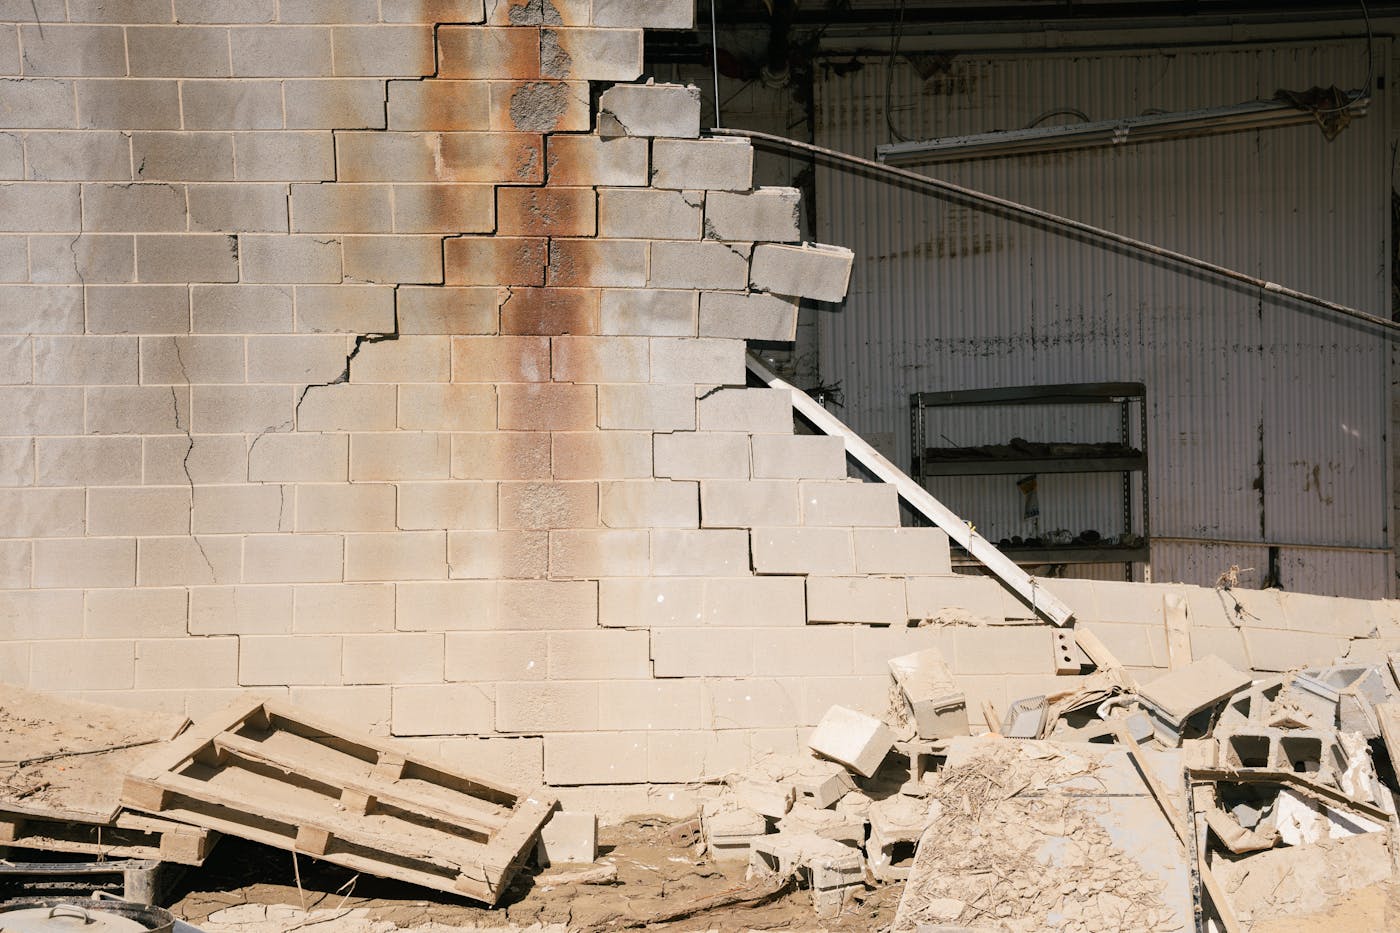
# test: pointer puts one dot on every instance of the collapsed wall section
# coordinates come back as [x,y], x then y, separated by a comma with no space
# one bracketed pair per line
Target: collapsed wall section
[351,358]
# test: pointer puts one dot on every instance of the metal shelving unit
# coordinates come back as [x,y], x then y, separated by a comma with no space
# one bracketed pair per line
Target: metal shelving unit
[1124,458]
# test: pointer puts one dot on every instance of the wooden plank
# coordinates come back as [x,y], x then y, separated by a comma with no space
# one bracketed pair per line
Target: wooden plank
[130,836]
[921,500]
[1177,614]
[1103,659]
[1218,899]
[1159,793]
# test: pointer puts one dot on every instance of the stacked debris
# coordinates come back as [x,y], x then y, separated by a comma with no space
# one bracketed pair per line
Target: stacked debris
[1111,806]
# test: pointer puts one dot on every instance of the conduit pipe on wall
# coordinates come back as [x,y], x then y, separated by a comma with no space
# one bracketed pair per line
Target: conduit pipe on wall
[1064,225]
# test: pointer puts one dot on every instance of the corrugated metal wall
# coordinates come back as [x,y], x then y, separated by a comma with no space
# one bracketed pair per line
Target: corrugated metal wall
[1266,423]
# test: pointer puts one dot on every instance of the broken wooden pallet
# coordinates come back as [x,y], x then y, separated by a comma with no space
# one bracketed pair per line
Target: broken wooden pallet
[266,772]
[127,836]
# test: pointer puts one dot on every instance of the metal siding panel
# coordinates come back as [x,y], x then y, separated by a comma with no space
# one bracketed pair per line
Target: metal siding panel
[950,298]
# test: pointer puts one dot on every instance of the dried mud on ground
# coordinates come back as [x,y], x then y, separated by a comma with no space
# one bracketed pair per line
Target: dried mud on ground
[653,875]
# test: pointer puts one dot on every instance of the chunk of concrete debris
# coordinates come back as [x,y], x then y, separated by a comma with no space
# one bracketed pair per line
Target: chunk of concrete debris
[667,110]
[1174,698]
[769,798]
[814,781]
[845,828]
[858,741]
[896,824]
[833,872]
[568,837]
[729,831]
[936,704]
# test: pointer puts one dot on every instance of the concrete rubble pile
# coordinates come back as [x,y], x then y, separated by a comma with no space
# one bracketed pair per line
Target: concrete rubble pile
[1200,800]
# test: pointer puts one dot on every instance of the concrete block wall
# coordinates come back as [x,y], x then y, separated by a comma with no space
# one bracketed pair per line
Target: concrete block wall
[345,355]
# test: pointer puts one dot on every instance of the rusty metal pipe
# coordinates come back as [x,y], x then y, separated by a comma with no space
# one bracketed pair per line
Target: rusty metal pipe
[1031,215]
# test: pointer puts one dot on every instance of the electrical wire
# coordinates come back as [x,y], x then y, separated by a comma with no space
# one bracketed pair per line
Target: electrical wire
[1062,111]
[1024,213]
[889,74]
[1364,93]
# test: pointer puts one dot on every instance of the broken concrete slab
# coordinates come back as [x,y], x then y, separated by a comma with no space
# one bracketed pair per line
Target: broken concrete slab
[858,741]
[1184,692]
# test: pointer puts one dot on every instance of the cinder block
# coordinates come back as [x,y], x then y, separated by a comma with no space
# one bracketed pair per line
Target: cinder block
[553,211]
[649,705]
[136,613]
[137,410]
[186,360]
[273,660]
[703,264]
[174,663]
[426,506]
[345,507]
[237,509]
[138,309]
[338,608]
[366,708]
[407,555]
[855,740]
[217,11]
[487,260]
[238,208]
[400,658]
[345,309]
[286,358]
[586,553]
[507,158]
[134,207]
[392,51]
[84,562]
[914,551]
[17,565]
[724,164]
[598,263]
[299,458]
[650,14]
[541,604]
[568,837]
[41,411]
[38,104]
[327,11]
[648,504]
[812,270]
[600,360]
[540,106]
[546,407]
[677,757]
[1003,649]
[803,551]
[232,105]
[591,758]
[300,259]
[773,214]
[403,360]
[284,156]
[182,156]
[106,11]
[281,51]
[645,213]
[754,703]
[747,503]
[700,361]
[650,602]
[41,614]
[702,652]
[74,51]
[188,561]
[414,260]
[400,456]
[602,455]
[238,309]
[586,54]
[442,709]
[94,259]
[500,456]
[92,156]
[187,52]
[929,597]
[444,209]
[850,503]
[648,313]
[41,309]
[492,555]
[446,407]
[550,311]
[650,407]
[82,360]
[481,52]
[487,657]
[242,409]
[341,208]
[610,654]
[240,610]
[85,461]
[755,601]
[106,664]
[756,411]
[548,505]
[870,600]
[804,652]
[288,558]
[447,310]
[751,316]
[340,103]
[546,707]
[443,606]
[690,455]
[500,360]
[1274,650]
[593,160]
[536,13]
[678,552]
[650,110]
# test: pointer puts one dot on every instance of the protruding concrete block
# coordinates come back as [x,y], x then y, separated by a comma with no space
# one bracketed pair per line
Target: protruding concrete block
[751,316]
[646,14]
[811,270]
[773,214]
[938,707]
[568,837]
[671,110]
[716,164]
[858,741]
[871,600]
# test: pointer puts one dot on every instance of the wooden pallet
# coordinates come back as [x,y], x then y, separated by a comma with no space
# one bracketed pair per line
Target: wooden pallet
[263,771]
[127,836]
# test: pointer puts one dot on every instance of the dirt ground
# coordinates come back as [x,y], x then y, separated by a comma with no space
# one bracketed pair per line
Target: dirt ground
[654,875]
